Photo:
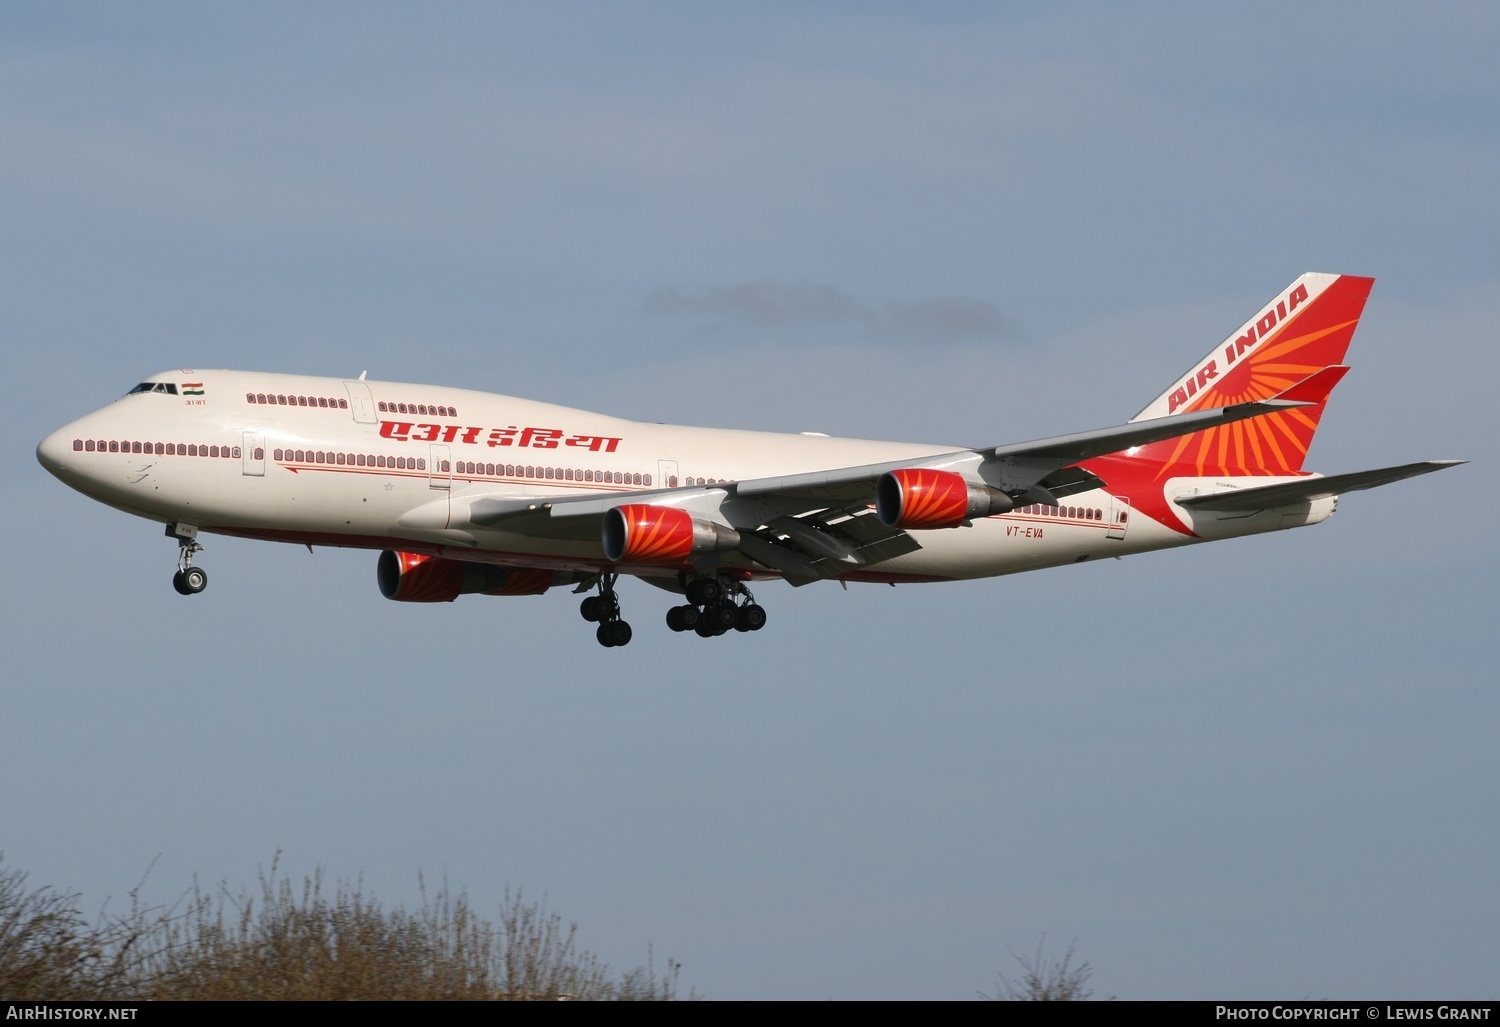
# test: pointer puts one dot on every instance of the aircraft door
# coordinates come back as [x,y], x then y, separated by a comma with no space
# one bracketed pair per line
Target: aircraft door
[361,403]
[1119,513]
[666,474]
[439,468]
[253,451]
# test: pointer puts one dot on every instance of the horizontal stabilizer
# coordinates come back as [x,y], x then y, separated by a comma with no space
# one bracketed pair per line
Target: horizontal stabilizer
[1316,387]
[1263,497]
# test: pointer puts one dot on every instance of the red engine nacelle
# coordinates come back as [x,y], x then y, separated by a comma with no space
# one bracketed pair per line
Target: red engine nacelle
[918,497]
[641,533]
[415,578]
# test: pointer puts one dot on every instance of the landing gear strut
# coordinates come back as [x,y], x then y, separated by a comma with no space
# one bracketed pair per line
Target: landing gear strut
[604,610]
[715,606]
[188,580]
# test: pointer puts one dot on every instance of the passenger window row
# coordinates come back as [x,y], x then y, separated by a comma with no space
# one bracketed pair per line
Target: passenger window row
[318,456]
[1085,513]
[155,448]
[472,468]
[279,400]
[417,408]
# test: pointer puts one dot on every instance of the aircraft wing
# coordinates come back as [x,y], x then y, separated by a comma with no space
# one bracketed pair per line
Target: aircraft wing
[1262,497]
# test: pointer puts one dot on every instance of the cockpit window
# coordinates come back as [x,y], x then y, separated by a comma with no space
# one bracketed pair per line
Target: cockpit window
[167,387]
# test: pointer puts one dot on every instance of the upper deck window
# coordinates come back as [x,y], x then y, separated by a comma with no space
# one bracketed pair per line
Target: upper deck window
[165,387]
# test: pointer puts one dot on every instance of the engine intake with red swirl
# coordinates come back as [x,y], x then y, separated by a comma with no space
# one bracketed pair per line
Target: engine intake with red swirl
[417,578]
[642,533]
[919,497]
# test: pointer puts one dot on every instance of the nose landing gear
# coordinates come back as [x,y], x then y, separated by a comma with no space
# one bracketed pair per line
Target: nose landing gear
[188,580]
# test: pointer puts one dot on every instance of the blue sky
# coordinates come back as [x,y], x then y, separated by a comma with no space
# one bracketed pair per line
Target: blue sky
[1262,768]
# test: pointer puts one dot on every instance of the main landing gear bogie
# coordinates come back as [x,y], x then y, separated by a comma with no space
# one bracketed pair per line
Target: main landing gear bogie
[716,607]
[604,610]
[188,580]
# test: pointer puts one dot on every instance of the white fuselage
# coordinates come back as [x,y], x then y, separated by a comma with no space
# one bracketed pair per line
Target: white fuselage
[378,465]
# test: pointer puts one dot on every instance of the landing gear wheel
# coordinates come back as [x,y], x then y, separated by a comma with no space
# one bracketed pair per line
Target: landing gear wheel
[194,580]
[750,618]
[722,615]
[589,608]
[704,591]
[705,629]
[179,584]
[602,634]
[619,632]
[683,618]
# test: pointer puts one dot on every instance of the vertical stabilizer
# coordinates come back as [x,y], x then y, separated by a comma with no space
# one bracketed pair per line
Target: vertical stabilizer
[1305,328]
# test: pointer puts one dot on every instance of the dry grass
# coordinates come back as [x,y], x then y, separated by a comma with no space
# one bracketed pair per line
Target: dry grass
[44,941]
[285,941]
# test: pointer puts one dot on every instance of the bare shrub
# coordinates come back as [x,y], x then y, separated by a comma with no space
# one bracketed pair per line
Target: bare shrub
[45,950]
[311,942]
[1045,979]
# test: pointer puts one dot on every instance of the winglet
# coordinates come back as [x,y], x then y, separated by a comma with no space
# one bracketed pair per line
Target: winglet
[1315,387]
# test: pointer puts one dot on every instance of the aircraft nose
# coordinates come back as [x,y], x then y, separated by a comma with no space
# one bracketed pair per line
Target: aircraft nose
[56,450]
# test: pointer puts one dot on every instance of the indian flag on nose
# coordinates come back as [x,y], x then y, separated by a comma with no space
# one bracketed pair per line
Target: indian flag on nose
[192,388]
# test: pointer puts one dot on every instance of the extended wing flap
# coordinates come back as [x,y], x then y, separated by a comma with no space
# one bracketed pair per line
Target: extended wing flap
[1262,497]
[838,540]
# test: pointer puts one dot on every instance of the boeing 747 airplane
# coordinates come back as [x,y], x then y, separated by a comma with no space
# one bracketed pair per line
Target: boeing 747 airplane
[468,492]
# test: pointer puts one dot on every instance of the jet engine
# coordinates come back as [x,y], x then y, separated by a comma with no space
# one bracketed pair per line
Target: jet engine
[919,497]
[641,533]
[415,578]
